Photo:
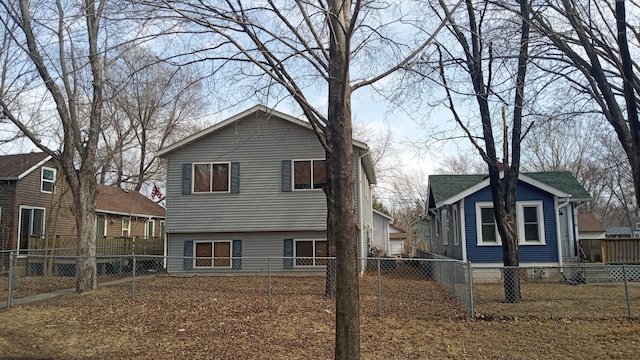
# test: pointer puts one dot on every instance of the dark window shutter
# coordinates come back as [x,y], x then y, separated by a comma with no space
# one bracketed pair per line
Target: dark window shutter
[288,254]
[236,264]
[187,263]
[286,175]
[186,178]
[235,177]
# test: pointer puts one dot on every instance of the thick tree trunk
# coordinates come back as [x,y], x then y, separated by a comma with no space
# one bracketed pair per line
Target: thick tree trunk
[342,227]
[86,274]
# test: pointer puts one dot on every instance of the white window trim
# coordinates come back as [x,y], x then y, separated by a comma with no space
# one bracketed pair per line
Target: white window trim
[638,226]
[456,228]
[122,229]
[213,249]
[520,215]
[481,205]
[295,260]
[43,180]
[105,226]
[293,175]
[44,220]
[153,228]
[193,176]
[444,222]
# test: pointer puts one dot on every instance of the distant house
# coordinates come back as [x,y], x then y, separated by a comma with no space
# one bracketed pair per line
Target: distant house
[252,186]
[380,242]
[589,227]
[127,213]
[463,226]
[618,232]
[635,227]
[418,234]
[37,211]
[388,240]
[397,239]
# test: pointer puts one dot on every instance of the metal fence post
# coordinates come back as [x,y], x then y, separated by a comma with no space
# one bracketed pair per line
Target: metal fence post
[269,279]
[11,274]
[379,291]
[626,290]
[133,279]
[472,310]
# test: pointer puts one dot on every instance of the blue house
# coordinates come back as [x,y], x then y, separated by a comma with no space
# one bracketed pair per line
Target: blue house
[460,211]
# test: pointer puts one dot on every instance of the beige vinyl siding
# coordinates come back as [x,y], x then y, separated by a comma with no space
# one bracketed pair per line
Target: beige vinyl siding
[259,145]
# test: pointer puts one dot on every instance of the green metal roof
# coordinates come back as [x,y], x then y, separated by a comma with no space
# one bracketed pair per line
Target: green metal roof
[446,186]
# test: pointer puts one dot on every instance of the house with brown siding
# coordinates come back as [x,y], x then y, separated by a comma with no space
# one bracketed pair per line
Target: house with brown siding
[35,201]
[37,211]
[127,213]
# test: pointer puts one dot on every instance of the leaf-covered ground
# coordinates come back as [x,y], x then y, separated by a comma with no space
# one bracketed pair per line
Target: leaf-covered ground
[231,318]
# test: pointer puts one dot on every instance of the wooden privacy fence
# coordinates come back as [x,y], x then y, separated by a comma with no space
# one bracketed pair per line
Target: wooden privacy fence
[67,246]
[611,250]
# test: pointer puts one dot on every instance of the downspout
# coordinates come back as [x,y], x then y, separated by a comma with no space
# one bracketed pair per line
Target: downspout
[558,235]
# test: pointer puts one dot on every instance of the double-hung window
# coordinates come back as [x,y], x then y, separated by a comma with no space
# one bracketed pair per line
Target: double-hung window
[530,223]
[311,252]
[126,226]
[309,174]
[210,177]
[486,225]
[151,227]
[212,254]
[48,178]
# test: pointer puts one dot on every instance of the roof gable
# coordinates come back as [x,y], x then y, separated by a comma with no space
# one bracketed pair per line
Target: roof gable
[115,200]
[365,155]
[17,166]
[447,189]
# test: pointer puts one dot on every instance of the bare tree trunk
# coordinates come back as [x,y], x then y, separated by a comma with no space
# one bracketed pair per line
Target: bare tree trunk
[630,97]
[86,274]
[342,227]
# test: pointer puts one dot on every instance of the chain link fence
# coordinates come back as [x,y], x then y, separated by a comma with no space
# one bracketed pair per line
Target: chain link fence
[387,285]
[582,291]
[431,287]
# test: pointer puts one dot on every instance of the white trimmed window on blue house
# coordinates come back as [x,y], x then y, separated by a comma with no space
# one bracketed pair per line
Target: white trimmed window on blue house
[444,214]
[530,224]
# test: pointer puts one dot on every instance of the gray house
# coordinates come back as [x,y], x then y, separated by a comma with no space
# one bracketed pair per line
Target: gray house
[251,186]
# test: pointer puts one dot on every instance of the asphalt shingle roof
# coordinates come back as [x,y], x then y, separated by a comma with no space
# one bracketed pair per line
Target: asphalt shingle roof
[445,186]
[11,166]
[114,199]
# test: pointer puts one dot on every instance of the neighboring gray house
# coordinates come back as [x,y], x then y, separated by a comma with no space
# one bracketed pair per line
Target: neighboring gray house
[380,244]
[251,186]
